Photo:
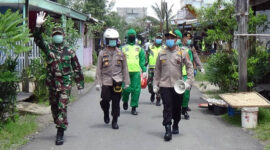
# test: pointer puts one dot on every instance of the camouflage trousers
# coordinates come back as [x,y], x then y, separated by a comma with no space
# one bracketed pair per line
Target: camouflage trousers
[59,101]
[150,79]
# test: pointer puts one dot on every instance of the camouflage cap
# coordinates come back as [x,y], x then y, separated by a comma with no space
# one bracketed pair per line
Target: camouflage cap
[57,30]
[159,35]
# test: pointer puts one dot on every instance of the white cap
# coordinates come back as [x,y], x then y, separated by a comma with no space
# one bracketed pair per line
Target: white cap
[111,34]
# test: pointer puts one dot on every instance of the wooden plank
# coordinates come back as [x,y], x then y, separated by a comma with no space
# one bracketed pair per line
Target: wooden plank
[245,99]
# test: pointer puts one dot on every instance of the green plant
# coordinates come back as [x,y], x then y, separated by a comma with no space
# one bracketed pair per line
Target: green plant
[14,35]
[222,70]
[37,74]
[8,89]
[95,57]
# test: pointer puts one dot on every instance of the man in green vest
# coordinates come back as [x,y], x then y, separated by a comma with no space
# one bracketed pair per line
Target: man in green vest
[152,54]
[136,63]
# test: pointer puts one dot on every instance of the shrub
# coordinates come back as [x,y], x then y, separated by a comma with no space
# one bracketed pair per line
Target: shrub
[222,71]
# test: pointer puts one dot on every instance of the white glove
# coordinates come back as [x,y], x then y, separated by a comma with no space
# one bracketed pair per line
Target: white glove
[98,87]
[202,71]
[155,89]
[40,19]
[80,91]
[144,75]
[188,86]
[126,86]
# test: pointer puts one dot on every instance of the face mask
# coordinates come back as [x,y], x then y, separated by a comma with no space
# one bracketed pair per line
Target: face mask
[189,42]
[179,42]
[131,39]
[158,41]
[170,43]
[112,43]
[58,39]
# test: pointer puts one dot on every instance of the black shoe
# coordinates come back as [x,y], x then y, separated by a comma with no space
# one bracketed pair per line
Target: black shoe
[168,133]
[158,102]
[106,118]
[188,109]
[114,123]
[186,115]
[133,111]
[152,98]
[125,105]
[175,129]
[60,136]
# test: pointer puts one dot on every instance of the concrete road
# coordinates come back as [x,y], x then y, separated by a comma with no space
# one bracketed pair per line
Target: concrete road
[87,131]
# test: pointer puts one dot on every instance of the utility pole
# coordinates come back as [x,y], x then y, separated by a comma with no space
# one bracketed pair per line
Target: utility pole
[241,7]
[166,8]
[25,86]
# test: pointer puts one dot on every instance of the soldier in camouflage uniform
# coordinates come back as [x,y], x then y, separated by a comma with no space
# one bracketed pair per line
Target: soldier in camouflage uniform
[62,66]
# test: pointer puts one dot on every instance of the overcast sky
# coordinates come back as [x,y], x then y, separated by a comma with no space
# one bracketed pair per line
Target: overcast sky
[146,3]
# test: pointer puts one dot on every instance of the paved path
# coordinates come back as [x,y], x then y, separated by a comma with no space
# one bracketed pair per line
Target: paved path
[203,131]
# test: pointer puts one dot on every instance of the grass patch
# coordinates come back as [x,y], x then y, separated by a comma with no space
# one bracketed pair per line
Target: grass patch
[234,120]
[88,79]
[13,134]
[263,128]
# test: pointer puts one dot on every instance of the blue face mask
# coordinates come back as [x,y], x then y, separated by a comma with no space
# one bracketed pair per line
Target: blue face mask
[112,43]
[189,42]
[158,41]
[170,43]
[58,39]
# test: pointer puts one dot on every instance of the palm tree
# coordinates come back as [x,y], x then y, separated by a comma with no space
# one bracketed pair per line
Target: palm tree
[161,13]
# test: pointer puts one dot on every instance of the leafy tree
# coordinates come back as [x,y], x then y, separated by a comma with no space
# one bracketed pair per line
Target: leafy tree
[161,14]
[220,22]
[14,37]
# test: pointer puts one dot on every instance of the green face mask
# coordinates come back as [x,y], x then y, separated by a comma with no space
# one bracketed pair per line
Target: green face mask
[179,42]
[58,39]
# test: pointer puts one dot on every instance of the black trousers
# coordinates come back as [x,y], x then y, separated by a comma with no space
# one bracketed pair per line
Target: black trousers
[172,105]
[107,95]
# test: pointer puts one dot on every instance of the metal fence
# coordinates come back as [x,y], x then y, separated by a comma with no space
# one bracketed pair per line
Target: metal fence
[33,54]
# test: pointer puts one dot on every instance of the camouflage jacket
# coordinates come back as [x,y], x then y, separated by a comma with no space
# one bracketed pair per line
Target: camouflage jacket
[62,64]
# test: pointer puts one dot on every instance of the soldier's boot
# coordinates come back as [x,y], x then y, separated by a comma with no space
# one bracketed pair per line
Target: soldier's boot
[125,105]
[60,136]
[168,133]
[152,98]
[106,117]
[114,123]
[175,128]
[133,111]
[184,112]
[158,101]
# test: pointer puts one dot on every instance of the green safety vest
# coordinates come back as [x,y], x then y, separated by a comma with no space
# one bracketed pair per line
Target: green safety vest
[184,69]
[132,53]
[153,54]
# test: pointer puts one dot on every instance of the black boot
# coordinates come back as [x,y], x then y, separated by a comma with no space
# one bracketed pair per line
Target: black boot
[114,123]
[60,136]
[158,101]
[152,99]
[175,128]
[125,105]
[168,133]
[184,112]
[133,111]
[106,117]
